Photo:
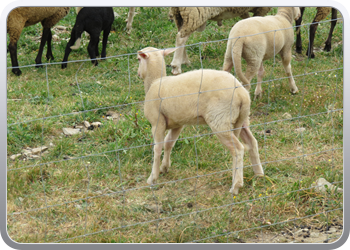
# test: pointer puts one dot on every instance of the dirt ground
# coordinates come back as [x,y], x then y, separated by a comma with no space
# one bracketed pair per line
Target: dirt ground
[301,234]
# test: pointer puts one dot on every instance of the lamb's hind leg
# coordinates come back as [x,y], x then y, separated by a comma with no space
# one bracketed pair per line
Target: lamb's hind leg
[258,90]
[236,150]
[251,145]
[169,143]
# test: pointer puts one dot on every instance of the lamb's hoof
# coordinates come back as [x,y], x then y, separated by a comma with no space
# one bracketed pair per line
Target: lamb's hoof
[257,96]
[164,169]
[294,91]
[234,190]
[17,71]
[175,71]
[151,181]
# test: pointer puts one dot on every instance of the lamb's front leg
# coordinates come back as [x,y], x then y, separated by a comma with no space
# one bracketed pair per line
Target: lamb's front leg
[180,56]
[170,140]
[286,59]
[158,131]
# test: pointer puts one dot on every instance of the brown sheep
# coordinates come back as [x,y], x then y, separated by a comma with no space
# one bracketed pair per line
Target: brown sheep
[26,16]
[322,13]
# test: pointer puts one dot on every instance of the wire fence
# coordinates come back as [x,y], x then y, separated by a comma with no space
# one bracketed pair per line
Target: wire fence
[128,214]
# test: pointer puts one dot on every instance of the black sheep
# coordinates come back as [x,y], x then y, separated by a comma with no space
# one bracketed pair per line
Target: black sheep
[92,20]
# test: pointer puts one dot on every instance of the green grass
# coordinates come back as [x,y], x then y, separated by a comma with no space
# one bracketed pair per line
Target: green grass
[101,194]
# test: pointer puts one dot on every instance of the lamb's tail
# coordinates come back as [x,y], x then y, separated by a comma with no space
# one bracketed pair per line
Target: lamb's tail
[236,53]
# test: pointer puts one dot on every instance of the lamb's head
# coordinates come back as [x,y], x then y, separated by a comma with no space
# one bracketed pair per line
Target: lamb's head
[152,64]
[296,13]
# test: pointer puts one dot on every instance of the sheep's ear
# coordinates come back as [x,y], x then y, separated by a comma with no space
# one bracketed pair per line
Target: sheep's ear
[142,54]
[168,51]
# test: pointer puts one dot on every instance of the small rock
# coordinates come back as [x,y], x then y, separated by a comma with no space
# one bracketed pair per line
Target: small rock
[305,230]
[13,157]
[154,208]
[96,124]
[51,145]
[287,116]
[71,131]
[58,27]
[331,230]
[314,235]
[320,186]
[55,38]
[34,151]
[299,130]
[87,124]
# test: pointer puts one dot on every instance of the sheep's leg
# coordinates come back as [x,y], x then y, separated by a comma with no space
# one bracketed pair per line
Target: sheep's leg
[328,45]
[44,39]
[310,50]
[286,58]
[68,49]
[158,131]
[14,60]
[179,55]
[170,141]
[252,70]
[130,19]
[298,43]
[93,48]
[104,42]
[228,61]
[251,145]
[49,54]
[236,150]
[258,89]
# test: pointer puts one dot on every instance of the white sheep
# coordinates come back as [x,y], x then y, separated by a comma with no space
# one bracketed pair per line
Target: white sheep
[190,19]
[204,96]
[275,35]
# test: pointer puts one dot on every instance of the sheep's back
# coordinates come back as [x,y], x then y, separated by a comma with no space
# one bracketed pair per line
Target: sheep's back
[178,98]
[33,15]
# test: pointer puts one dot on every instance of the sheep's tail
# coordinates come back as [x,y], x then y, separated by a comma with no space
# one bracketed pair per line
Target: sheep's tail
[236,53]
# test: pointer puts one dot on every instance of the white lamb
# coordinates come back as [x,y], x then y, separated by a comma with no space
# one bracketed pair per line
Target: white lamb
[191,19]
[208,97]
[277,37]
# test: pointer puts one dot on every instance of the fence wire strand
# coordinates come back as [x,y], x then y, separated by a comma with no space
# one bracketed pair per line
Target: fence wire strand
[153,187]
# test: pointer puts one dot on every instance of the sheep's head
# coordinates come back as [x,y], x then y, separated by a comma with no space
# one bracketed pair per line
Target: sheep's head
[296,12]
[151,61]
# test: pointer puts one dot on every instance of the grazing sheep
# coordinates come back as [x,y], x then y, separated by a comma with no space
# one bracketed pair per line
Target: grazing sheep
[92,20]
[322,13]
[129,20]
[208,97]
[277,37]
[190,19]
[26,16]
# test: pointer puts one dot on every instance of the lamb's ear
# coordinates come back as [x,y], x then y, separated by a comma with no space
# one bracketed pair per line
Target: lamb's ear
[168,51]
[142,54]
